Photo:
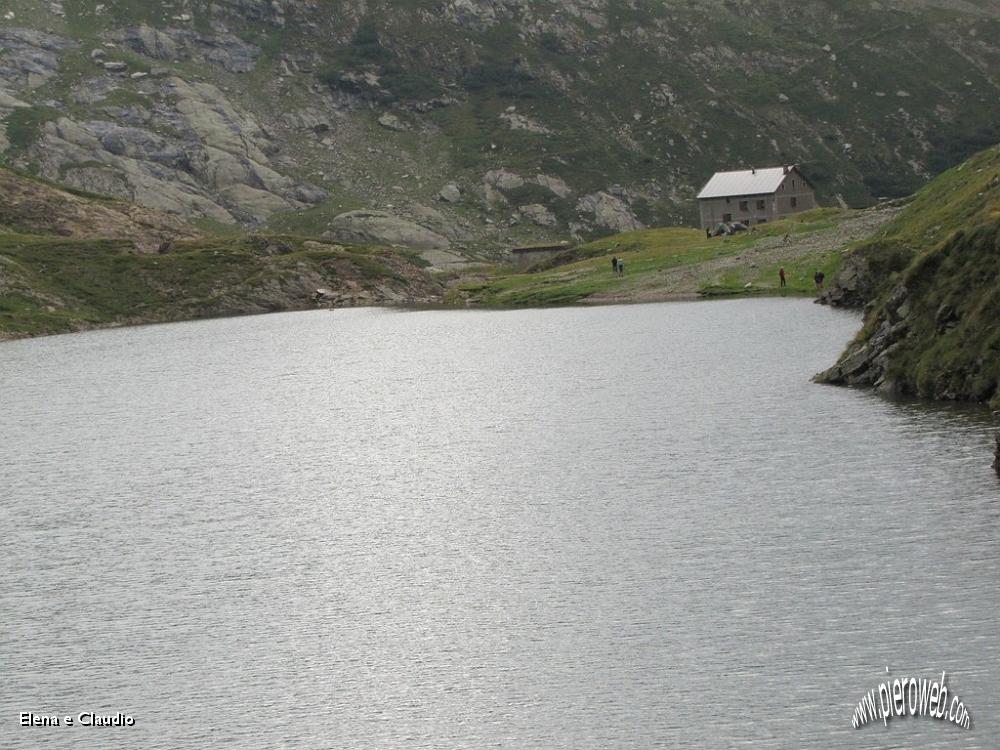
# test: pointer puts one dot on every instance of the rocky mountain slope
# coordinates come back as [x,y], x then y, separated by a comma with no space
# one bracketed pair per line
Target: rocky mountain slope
[930,282]
[30,206]
[70,262]
[469,124]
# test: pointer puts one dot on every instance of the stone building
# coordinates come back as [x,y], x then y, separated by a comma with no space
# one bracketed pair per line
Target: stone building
[754,196]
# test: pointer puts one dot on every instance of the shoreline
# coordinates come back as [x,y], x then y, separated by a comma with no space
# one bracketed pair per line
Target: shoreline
[981,408]
[6,337]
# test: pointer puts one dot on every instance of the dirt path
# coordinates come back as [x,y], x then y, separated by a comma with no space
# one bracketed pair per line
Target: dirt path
[683,282]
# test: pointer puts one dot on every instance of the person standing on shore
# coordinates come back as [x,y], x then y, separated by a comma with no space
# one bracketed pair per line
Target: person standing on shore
[781,277]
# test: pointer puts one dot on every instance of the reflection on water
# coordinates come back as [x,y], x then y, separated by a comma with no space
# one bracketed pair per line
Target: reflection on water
[576,528]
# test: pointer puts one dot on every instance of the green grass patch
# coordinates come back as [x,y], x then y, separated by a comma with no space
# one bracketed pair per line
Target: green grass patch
[54,285]
[961,198]
[24,125]
[936,271]
[584,271]
[799,277]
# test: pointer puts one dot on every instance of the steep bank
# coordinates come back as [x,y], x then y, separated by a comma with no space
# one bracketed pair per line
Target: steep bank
[930,284]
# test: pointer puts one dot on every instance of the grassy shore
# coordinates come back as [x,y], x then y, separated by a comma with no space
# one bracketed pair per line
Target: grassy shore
[679,263]
[932,292]
[57,285]
[53,284]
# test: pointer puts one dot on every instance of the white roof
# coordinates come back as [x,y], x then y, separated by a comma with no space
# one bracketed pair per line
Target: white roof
[744,182]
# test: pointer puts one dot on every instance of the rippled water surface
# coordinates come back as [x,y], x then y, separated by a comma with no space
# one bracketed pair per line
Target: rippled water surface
[618,527]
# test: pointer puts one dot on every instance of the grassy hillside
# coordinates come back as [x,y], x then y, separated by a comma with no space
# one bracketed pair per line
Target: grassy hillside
[675,263]
[30,205]
[934,286]
[55,285]
[640,89]
[70,261]
[960,198]
[952,347]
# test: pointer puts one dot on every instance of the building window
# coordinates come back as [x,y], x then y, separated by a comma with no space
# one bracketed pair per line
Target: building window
[761,205]
[727,218]
[795,201]
[744,206]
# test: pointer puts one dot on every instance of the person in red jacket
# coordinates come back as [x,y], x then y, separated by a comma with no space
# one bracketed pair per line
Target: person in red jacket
[781,277]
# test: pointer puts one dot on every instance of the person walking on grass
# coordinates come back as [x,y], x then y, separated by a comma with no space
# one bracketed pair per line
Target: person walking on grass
[781,277]
[614,264]
[621,266]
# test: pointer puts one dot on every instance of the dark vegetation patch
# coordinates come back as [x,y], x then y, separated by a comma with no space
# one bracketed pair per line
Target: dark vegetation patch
[24,124]
[564,209]
[953,346]
[398,78]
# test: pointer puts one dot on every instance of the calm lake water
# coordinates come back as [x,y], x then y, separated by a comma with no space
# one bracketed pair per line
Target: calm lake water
[615,527]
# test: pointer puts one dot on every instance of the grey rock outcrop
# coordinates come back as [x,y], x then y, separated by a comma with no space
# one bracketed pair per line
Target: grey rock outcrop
[450,193]
[503,179]
[538,214]
[609,211]
[154,43]
[853,286]
[517,121]
[29,58]
[867,363]
[271,12]
[73,153]
[131,116]
[229,51]
[96,89]
[212,160]
[139,144]
[382,228]
[436,221]
[169,45]
[498,183]
[216,122]
[554,185]
[8,102]
[390,121]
